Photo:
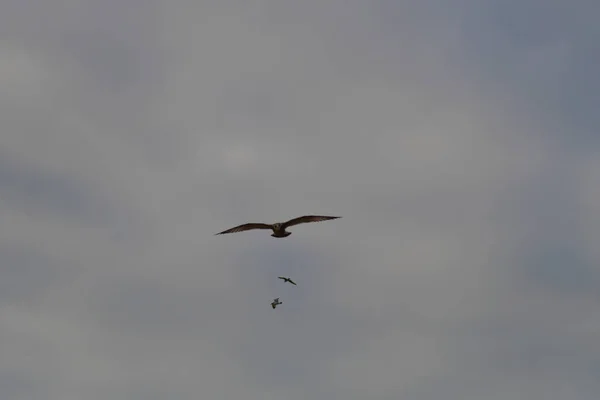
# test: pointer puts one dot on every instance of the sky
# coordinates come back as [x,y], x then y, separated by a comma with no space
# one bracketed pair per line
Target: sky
[457,139]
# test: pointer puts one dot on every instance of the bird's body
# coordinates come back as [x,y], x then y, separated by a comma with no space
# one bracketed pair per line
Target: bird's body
[279,228]
[275,303]
[287,280]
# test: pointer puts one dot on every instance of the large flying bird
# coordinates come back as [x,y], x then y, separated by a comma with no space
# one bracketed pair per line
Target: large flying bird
[287,280]
[279,228]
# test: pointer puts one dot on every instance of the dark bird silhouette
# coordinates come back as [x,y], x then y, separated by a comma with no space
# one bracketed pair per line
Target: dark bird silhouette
[276,302]
[278,228]
[287,280]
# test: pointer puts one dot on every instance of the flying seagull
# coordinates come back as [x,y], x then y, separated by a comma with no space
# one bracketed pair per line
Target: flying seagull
[287,280]
[278,228]
[276,302]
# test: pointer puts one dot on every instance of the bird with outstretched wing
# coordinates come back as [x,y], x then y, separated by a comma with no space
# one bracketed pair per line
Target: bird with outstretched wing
[287,280]
[279,228]
[275,303]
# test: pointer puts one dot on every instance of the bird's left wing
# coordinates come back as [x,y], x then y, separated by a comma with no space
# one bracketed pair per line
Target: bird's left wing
[307,218]
[245,227]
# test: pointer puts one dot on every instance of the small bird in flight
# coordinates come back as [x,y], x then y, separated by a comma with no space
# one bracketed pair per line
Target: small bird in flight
[276,302]
[287,280]
[279,228]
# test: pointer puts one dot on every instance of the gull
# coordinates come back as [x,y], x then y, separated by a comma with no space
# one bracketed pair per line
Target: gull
[276,302]
[287,280]
[278,228]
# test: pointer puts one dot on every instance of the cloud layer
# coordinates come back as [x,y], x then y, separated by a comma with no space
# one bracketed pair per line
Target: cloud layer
[458,143]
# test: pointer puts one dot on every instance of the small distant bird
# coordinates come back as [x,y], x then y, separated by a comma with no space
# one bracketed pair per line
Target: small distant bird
[287,280]
[276,302]
[279,228]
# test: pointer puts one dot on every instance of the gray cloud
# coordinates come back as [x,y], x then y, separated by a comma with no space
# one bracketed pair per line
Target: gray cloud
[465,265]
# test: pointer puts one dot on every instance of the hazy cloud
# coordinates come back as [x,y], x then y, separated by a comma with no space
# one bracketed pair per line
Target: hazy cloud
[457,142]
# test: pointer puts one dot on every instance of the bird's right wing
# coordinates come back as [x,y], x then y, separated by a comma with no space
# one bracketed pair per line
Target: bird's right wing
[292,282]
[307,218]
[281,277]
[245,227]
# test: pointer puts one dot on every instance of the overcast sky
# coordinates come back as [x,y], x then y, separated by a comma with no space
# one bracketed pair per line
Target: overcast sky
[457,139]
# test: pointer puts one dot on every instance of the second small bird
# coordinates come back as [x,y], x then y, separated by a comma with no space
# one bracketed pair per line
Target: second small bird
[287,280]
